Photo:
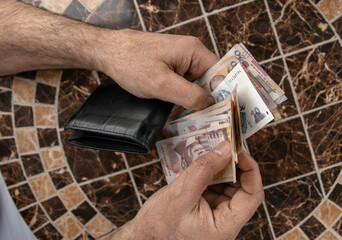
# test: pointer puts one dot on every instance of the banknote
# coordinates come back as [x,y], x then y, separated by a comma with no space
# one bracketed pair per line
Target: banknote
[253,111]
[177,153]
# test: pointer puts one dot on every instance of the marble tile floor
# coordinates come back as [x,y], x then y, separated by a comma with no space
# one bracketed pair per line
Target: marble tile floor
[65,192]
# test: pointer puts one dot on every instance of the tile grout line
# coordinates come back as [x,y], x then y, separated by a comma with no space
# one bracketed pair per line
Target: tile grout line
[335,18]
[295,98]
[133,181]
[141,19]
[269,219]
[229,7]
[289,180]
[179,24]
[339,164]
[211,34]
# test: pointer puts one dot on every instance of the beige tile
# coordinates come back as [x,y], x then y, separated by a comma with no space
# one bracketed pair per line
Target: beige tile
[26,139]
[340,179]
[98,226]
[71,196]
[295,235]
[328,212]
[42,187]
[68,226]
[23,91]
[328,236]
[330,8]
[53,158]
[49,76]
[55,6]
[45,115]
[91,4]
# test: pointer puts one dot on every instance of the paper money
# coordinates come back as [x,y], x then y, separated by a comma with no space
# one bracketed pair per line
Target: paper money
[177,153]
[254,113]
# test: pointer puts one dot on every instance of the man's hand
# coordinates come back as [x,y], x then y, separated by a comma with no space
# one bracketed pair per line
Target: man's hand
[149,65]
[189,209]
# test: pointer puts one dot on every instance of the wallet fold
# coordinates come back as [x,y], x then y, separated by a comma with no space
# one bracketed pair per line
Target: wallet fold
[115,120]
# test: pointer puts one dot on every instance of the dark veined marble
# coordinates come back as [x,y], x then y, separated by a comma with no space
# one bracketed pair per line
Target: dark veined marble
[298,24]
[338,26]
[325,130]
[12,173]
[54,207]
[85,236]
[45,94]
[134,159]
[281,151]
[257,227]
[6,81]
[32,164]
[210,5]
[317,75]
[31,75]
[76,11]
[23,116]
[115,14]
[84,212]
[87,163]
[22,195]
[48,232]
[161,14]
[8,150]
[114,197]
[149,179]
[248,24]
[336,195]
[6,128]
[5,100]
[329,177]
[47,137]
[312,227]
[291,202]
[34,216]
[61,177]
[198,29]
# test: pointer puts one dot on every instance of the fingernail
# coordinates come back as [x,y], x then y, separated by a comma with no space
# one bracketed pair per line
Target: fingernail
[223,149]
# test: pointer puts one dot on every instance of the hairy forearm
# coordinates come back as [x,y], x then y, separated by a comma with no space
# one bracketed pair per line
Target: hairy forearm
[32,39]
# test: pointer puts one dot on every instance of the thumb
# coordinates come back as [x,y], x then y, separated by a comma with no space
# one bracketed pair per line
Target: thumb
[194,180]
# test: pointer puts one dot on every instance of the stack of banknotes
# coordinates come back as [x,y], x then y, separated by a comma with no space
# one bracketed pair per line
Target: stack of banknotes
[245,96]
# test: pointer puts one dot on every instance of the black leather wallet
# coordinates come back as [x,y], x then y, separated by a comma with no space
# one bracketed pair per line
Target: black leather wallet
[113,119]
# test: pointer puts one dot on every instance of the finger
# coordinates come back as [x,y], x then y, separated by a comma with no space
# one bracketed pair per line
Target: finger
[230,191]
[194,180]
[176,89]
[214,199]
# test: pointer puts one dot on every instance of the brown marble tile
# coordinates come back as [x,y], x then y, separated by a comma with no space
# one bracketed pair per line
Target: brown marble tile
[161,14]
[61,177]
[41,187]
[26,140]
[114,197]
[5,100]
[48,232]
[330,8]
[210,5]
[54,207]
[47,137]
[316,75]
[75,88]
[256,228]
[298,24]
[91,4]
[296,234]
[248,24]
[277,72]
[325,130]
[32,164]
[76,11]
[12,173]
[99,225]
[312,227]
[84,212]
[85,236]
[23,91]
[45,115]
[134,159]
[198,29]
[281,151]
[45,94]
[8,150]
[6,128]
[338,26]
[71,196]
[53,158]
[328,212]
[34,217]
[23,116]
[6,81]
[31,75]
[328,235]
[68,226]
[338,226]
[149,179]
[22,195]
[336,195]
[56,6]
[291,202]
[87,163]
[115,14]
[51,77]
[329,177]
